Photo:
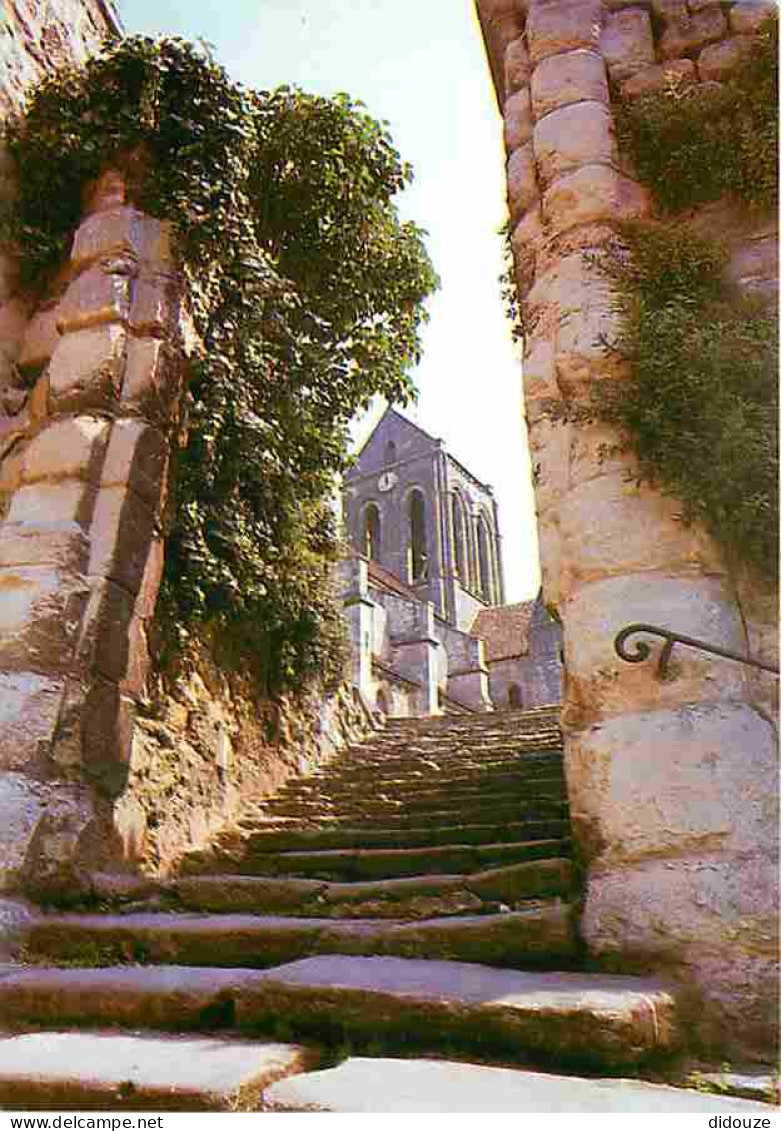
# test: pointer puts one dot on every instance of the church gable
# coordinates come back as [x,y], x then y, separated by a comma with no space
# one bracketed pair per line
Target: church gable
[393,440]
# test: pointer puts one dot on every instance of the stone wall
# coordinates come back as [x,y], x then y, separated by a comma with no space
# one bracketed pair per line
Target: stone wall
[104,765]
[673,782]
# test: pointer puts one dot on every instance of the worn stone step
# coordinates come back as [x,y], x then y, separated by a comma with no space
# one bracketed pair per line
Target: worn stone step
[286,838]
[374,1085]
[477,779]
[416,897]
[541,808]
[409,755]
[541,933]
[100,1071]
[419,795]
[597,1020]
[386,863]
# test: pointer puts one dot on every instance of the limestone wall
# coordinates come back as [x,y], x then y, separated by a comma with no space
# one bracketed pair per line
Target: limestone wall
[673,783]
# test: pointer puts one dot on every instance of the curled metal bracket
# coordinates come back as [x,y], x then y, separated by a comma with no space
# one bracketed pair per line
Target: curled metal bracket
[642,650]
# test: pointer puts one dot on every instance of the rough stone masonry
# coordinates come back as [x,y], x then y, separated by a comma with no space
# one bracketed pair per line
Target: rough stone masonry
[673,783]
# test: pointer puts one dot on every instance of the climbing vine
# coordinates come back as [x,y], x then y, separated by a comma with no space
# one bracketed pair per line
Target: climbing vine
[307,293]
[701,405]
[699,409]
[692,145]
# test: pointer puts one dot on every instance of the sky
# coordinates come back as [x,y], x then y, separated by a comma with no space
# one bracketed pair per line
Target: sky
[420,65]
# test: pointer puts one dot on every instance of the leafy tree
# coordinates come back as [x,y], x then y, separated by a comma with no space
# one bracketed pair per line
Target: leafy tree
[308,295]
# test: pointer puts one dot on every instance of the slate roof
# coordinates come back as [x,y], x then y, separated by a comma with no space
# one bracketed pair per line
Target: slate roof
[504,630]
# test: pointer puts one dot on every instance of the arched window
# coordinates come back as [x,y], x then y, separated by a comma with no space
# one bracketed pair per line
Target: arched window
[370,533]
[390,452]
[417,558]
[460,548]
[484,561]
[514,697]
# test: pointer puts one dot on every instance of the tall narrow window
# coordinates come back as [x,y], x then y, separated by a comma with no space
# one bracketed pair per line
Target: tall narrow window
[390,452]
[484,560]
[370,536]
[460,551]
[417,556]
[514,697]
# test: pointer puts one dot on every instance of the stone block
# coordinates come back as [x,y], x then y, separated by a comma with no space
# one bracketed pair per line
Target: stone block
[549,452]
[600,684]
[136,458]
[61,544]
[562,25]
[572,305]
[718,60]
[121,537]
[39,618]
[148,387]
[676,72]
[539,371]
[525,241]
[100,295]
[67,501]
[29,710]
[691,780]
[517,120]
[592,194]
[517,66]
[576,135]
[747,17]
[708,919]
[627,42]
[108,737]
[68,448]
[41,338]
[631,529]
[86,369]
[576,76]
[104,638]
[522,189]
[552,567]
[154,304]
[114,232]
[686,35]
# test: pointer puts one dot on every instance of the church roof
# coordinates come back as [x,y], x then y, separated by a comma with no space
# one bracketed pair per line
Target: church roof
[504,629]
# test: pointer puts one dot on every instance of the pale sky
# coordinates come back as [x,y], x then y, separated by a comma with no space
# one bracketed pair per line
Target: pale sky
[420,65]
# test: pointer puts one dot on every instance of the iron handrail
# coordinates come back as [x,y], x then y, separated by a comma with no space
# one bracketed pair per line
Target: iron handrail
[642,650]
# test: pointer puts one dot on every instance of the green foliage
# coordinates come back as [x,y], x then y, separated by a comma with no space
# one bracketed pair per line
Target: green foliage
[692,146]
[701,405]
[307,292]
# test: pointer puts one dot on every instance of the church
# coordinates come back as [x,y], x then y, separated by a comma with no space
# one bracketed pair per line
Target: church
[423,586]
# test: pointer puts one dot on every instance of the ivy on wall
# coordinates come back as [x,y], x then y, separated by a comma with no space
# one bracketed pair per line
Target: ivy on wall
[307,292]
[699,408]
[701,405]
[692,144]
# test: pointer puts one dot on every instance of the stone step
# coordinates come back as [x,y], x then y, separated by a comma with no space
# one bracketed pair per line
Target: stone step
[542,933]
[380,863]
[374,1085]
[390,753]
[595,1020]
[542,808]
[289,837]
[416,897]
[416,794]
[413,782]
[100,1071]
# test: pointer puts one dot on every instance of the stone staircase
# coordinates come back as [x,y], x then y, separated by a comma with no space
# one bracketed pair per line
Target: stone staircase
[418,893]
